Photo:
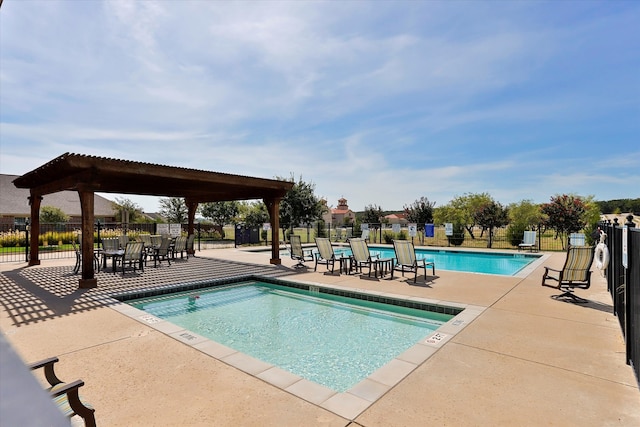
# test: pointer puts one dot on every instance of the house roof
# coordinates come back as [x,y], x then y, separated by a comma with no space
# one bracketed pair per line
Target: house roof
[106,175]
[15,201]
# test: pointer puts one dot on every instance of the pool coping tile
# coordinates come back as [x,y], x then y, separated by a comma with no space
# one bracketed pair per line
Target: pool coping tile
[346,405]
[246,363]
[310,391]
[279,377]
[369,390]
[393,372]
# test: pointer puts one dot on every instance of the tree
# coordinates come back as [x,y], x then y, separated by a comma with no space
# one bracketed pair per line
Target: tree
[565,214]
[524,215]
[51,214]
[174,210]
[127,206]
[372,214]
[420,212]
[591,217]
[460,211]
[255,214]
[299,205]
[221,213]
[491,215]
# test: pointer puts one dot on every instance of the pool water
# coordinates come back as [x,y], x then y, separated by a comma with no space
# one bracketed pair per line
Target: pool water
[472,262]
[328,339]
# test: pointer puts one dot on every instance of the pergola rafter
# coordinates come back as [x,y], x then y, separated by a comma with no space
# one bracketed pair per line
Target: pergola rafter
[90,174]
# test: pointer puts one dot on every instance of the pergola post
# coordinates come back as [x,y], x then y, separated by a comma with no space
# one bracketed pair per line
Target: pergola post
[88,279]
[34,201]
[192,207]
[273,205]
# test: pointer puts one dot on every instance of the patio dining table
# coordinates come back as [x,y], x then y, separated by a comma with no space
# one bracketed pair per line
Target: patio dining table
[114,254]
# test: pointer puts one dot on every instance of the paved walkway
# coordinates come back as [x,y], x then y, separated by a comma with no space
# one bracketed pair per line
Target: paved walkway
[525,360]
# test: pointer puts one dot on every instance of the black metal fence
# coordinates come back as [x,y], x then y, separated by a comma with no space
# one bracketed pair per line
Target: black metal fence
[55,239]
[623,282]
[501,238]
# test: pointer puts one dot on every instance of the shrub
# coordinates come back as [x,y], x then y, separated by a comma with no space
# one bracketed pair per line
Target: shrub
[515,233]
[458,235]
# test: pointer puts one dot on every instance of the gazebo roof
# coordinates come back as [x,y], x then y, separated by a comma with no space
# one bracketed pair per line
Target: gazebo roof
[106,175]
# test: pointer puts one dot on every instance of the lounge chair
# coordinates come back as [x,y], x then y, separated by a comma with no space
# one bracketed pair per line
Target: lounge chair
[577,239]
[325,254]
[361,257]
[529,241]
[297,252]
[65,395]
[133,255]
[406,260]
[574,274]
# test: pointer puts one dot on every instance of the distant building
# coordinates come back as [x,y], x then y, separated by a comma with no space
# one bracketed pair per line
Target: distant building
[15,209]
[340,215]
[397,218]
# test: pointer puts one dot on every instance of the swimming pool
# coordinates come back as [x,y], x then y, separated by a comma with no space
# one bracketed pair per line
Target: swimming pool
[347,404]
[330,339]
[500,263]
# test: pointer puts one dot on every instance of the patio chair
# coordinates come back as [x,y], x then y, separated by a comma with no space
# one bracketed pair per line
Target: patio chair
[180,246]
[360,255]
[156,239]
[111,244]
[76,268]
[146,239]
[190,250]
[133,255]
[162,252]
[123,240]
[325,254]
[574,274]
[528,241]
[406,260]
[65,395]
[109,247]
[298,253]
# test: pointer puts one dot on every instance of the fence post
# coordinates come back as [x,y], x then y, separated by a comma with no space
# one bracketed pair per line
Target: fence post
[198,237]
[26,252]
[98,226]
[629,338]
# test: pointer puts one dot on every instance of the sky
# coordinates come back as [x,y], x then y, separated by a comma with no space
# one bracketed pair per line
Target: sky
[379,102]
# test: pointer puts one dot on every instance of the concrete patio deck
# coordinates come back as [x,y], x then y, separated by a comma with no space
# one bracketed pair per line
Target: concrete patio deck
[525,360]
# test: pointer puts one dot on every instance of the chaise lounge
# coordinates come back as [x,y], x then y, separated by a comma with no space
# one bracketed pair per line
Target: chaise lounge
[406,260]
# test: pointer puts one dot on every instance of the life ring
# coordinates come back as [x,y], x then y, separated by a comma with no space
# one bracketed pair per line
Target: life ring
[602,256]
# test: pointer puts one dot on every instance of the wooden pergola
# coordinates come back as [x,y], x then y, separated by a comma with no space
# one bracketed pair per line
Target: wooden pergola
[90,174]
